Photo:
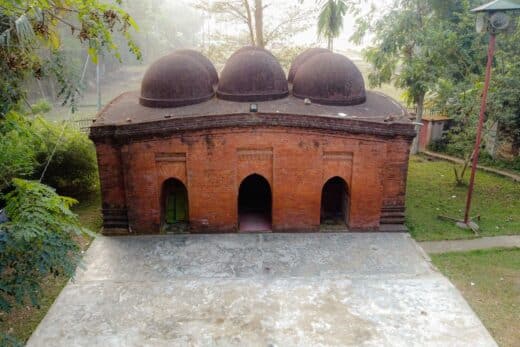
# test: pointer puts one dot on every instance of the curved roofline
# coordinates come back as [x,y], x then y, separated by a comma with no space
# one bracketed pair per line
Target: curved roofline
[324,101]
[174,126]
[251,97]
[164,103]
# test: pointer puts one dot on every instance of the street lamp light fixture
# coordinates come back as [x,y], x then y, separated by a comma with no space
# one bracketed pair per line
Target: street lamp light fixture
[492,18]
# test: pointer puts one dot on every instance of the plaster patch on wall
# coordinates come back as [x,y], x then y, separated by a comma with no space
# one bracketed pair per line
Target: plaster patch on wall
[338,156]
[170,157]
[245,154]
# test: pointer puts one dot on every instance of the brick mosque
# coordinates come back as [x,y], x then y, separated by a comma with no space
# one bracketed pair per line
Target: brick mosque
[251,149]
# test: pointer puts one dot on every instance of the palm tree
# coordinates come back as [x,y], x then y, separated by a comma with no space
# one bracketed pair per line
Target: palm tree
[330,20]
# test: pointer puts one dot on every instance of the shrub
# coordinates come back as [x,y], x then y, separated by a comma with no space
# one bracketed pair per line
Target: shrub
[17,154]
[73,168]
[37,241]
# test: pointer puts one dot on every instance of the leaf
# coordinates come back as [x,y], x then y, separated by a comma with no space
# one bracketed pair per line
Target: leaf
[54,40]
[24,29]
[92,52]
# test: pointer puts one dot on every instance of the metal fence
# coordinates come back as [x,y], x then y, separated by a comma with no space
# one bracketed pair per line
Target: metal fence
[82,124]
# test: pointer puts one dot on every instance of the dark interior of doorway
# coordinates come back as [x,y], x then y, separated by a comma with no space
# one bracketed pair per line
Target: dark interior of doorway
[334,203]
[254,205]
[175,207]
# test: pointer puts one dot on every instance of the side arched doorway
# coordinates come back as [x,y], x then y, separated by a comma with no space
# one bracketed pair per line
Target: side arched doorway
[174,206]
[334,202]
[254,204]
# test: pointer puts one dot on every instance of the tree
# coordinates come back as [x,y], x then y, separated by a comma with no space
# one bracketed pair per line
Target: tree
[283,22]
[37,241]
[30,40]
[39,238]
[330,20]
[410,48]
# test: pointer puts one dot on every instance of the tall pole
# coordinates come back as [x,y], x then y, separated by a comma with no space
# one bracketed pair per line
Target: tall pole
[98,84]
[491,53]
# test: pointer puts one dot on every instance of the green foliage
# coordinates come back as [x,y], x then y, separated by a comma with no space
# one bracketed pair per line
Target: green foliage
[26,145]
[9,341]
[41,106]
[488,160]
[73,168]
[431,50]
[38,241]
[330,19]
[411,45]
[30,40]
[17,152]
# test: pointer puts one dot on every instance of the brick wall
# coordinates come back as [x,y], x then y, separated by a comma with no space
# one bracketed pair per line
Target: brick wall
[295,162]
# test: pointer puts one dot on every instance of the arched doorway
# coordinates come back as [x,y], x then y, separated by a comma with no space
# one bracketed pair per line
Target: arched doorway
[254,204]
[334,202]
[174,202]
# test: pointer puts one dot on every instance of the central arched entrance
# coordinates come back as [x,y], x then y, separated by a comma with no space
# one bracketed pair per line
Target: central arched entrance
[254,204]
[174,202]
[334,202]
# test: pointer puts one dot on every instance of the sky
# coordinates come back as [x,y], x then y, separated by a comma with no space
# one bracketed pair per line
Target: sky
[309,36]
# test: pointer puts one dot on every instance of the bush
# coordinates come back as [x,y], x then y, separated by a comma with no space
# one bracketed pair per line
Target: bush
[73,168]
[17,154]
[37,241]
[487,159]
[26,145]
[438,145]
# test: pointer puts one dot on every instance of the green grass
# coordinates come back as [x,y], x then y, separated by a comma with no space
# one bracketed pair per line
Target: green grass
[431,191]
[22,321]
[89,211]
[490,281]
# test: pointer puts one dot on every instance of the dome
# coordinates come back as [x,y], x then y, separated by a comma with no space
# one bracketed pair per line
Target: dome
[330,79]
[203,60]
[252,74]
[175,80]
[302,58]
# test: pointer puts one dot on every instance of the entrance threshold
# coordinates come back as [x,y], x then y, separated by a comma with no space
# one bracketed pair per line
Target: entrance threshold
[254,222]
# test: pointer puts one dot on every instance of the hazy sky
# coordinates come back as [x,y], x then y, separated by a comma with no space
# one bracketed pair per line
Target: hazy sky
[309,37]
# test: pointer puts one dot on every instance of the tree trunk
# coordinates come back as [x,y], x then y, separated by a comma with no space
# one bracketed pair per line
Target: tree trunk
[250,22]
[329,43]
[418,119]
[259,23]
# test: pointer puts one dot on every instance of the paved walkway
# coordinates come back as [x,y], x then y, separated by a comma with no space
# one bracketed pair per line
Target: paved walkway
[507,174]
[508,241]
[364,289]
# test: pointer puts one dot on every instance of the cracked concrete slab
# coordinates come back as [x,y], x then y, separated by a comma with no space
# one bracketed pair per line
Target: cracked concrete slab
[366,289]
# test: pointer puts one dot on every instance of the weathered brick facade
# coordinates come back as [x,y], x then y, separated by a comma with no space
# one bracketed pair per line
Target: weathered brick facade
[213,162]
[211,147]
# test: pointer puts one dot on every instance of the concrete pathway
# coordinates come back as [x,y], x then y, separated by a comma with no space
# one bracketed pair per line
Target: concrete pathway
[509,241]
[365,289]
[508,174]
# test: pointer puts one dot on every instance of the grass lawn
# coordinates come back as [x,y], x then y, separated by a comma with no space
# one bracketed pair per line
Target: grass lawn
[21,322]
[490,282]
[431,191]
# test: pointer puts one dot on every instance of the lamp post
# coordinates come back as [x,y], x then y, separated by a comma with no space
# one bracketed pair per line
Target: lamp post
[491,18]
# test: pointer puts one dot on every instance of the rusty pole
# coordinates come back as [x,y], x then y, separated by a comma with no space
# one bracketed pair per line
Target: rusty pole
[491,53]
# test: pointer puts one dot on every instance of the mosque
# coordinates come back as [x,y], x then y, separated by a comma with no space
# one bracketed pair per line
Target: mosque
[251,149]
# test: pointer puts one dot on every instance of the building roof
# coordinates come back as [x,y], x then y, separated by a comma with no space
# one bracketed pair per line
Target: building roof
[329,79]
[252,74]
[203,60]
[177,94]
[302,58]
[125,109]
[176,80]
